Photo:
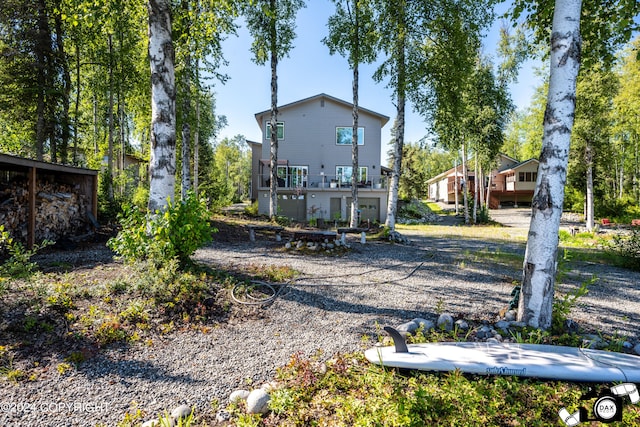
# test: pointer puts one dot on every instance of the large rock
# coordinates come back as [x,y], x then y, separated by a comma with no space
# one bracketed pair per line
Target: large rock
[238,395]
[182,411]
[409,327]
[445,322]
[425,324]
[258,402]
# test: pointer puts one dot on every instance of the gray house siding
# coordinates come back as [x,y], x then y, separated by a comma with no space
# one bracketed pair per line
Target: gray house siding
[310,141]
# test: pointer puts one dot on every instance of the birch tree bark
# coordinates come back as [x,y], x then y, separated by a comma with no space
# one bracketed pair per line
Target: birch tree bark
[539,270]
[162,165]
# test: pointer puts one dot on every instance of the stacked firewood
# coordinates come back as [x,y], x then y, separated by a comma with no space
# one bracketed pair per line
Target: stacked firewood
[60,210]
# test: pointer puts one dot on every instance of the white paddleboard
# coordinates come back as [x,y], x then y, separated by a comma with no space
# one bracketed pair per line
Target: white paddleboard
[522,360]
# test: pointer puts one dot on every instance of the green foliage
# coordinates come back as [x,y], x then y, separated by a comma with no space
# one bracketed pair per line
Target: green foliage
[348,391]
[175,233]
[628,248]
[19,264]
[562,306]
[252,209]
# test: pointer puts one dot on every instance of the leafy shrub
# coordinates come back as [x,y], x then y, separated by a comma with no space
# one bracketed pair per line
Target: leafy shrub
[628,248]
[175,233]
[252,209]
[19,264]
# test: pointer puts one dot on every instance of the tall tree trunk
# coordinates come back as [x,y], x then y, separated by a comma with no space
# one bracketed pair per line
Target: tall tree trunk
[539,269]
[588,157]
[465,178]
[196,136]
[65,122]
[475,190]
[186,112]
[42,57]
[273,163]
[186,130]
[162,165]
[109,176]
[398,145]
[354,146]
[456,183]
[76,114]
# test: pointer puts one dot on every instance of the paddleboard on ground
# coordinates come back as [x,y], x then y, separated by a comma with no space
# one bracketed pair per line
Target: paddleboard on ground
[522,360]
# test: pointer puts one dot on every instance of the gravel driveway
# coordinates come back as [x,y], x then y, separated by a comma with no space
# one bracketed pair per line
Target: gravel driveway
[331,307]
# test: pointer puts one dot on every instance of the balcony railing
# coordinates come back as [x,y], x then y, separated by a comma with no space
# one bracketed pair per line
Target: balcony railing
[327,182]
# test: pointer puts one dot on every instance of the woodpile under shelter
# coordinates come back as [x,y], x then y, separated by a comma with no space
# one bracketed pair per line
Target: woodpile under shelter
[46,201]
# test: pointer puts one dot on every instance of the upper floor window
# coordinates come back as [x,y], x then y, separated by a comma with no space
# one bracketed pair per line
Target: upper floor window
[344,135]
[527,176]
[344,174]
[267,130]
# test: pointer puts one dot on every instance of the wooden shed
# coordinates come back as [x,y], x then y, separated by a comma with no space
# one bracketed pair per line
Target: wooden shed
[40,200]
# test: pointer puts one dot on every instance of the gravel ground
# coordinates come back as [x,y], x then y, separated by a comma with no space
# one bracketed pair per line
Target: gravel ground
[335,302]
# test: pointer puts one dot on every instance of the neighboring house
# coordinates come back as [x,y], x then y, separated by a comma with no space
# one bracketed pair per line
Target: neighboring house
[511,183]
[314,161]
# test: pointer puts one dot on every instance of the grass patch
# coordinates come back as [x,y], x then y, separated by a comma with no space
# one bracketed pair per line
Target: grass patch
[349,391]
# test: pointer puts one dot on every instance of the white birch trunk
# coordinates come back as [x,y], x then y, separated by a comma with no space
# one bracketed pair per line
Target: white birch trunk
[539,269]
[273,164]
[589,220]
[465,177]
[456,183]
[162,165]
[186,130]
[354,150]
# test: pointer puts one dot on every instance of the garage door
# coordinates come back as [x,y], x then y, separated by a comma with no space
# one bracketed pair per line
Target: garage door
[293,206]
[369,208]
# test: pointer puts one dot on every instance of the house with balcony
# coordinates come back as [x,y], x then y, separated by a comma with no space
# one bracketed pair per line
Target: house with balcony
[314,161]
[511,183]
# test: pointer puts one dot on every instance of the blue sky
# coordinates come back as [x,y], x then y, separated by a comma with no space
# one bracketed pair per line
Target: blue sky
[310,70]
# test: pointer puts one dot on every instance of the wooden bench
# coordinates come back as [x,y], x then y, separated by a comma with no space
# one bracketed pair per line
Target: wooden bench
[258,227]
[343,232]
[314,236]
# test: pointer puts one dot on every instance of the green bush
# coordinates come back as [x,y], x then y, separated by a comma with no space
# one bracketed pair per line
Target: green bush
[628,248]
[175,233]
[19,264]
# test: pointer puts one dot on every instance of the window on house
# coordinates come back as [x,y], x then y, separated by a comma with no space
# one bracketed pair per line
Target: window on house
[344,173]
[527,176]
[344,135]
[293,176]
[267,130]
[299,175]
[511,177]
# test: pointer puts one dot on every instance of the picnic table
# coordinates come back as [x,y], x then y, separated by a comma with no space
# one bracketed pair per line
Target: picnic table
[264,227]
[344,230]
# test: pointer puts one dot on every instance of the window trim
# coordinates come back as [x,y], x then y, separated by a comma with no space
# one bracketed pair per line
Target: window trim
[350,128]
[267,130]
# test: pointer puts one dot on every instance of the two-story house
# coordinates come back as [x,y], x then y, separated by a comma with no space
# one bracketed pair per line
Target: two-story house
[314,161]
[511,183]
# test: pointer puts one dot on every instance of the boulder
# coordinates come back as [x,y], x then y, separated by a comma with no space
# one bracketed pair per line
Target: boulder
[258,402]
[425,324]
[462,325]
[445,322]
[238,395]
[409,327]
[182,411]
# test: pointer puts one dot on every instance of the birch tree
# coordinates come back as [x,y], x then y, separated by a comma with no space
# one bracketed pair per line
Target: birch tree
[352,33]
[162,164]
[605,27]
[536,297]
[272,26]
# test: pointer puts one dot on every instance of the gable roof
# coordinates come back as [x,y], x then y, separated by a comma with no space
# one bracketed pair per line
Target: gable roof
[517,166]
[383,119]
